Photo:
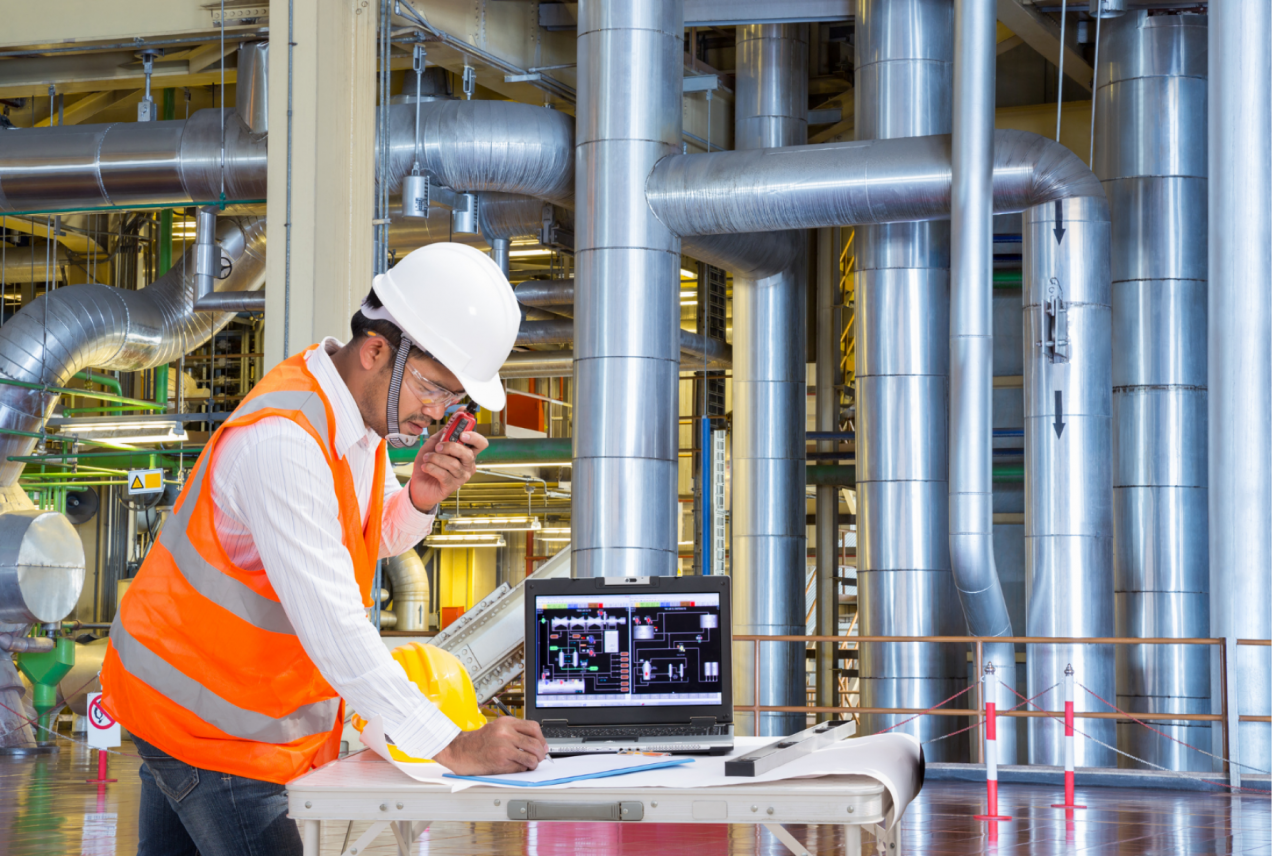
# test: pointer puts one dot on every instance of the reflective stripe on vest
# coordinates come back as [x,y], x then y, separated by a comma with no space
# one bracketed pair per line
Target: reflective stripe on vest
[180,688]
[233,596]
[222,589]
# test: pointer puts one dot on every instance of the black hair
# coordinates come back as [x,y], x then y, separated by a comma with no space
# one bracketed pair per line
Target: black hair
[362,326]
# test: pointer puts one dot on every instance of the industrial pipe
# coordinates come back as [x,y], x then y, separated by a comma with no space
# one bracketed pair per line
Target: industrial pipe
[769,393]
[26,644]
[630,61]
[1151,155]
[72,328]
[409,579]
[971,488]
[1239,375]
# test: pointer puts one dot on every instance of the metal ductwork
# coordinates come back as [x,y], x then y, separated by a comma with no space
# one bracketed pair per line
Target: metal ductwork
[1239,362]
[769,391]
[904,71]
[971,488]
[877,181]
[76,327]
[409,579]
[1151,155]
[131,163]
[623,508]
[486,146]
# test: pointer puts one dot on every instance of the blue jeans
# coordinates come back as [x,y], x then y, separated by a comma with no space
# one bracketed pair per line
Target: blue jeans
[188,811]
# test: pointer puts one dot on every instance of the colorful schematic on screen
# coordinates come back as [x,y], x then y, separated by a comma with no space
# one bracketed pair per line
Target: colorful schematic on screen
[627,650]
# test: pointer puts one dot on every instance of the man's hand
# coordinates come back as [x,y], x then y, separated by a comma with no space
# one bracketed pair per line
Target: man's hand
[440,469]
[503,745]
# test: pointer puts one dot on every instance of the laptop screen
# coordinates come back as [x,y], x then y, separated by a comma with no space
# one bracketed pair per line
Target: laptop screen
[627,650]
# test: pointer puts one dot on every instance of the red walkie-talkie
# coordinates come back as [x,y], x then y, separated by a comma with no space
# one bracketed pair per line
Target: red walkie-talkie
[463,420]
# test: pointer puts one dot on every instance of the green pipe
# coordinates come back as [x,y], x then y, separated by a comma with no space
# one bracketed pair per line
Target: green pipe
[101,380]
[1008,279]
[832,474]
[1006,473]
[188,454]
[534,452]
[73,411]
[220,203]
[86,393]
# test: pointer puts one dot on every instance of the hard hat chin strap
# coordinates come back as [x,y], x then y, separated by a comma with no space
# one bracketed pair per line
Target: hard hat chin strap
[395,437]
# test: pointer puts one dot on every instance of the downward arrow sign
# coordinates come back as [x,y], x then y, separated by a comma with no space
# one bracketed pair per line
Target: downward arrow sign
[1059,423]
[1059,229]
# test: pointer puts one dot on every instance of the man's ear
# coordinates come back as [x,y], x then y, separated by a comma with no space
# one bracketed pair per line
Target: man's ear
[373,351]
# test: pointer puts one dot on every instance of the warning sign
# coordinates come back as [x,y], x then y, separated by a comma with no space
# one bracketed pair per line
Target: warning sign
[103,730]
[145,481]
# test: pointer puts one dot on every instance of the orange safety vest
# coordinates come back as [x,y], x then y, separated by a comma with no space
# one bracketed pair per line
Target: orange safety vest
[203,661]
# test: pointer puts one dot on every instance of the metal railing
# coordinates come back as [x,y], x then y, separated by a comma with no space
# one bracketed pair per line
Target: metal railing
[978,643]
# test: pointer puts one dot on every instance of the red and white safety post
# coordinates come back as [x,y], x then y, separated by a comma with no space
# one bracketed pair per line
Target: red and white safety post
[1068,741]
[991,746]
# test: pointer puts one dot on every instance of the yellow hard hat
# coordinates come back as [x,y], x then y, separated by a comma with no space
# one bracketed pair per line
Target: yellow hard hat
[443,679]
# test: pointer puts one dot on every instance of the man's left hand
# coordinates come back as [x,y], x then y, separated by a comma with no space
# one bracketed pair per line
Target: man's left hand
[440,469]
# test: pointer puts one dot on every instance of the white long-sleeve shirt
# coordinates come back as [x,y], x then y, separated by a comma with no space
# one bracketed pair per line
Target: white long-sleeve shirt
[275,507]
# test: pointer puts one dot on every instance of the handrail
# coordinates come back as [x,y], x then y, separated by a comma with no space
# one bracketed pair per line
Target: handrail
[979,641]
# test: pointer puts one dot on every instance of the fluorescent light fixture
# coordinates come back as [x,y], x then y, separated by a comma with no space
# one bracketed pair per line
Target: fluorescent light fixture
[466,541]
[524,253]
[516,523]
[125,430]
[552,538]
[527,465]
[688,274]
[554,530]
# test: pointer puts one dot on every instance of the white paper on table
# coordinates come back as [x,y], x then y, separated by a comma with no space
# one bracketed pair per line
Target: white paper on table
[891,759]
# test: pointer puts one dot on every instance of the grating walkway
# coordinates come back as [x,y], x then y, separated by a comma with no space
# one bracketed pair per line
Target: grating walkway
[46,808]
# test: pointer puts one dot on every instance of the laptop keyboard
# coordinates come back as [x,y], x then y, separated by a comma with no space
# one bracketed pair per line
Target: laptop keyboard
[618,733]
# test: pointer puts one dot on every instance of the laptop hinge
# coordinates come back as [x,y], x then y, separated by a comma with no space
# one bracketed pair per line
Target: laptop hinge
[562,723]
[704,721]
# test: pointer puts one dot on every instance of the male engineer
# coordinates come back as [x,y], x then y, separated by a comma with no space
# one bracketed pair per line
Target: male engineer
[244,633]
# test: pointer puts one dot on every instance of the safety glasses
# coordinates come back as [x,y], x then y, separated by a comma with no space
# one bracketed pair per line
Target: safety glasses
[429,393]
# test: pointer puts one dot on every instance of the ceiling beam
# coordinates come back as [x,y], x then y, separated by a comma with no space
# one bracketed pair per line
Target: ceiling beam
[89,106]
[1043,35]
[205,55]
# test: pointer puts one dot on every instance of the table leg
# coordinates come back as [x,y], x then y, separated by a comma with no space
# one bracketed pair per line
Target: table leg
[791,842]
[852,840]
[311,837]
[888,841]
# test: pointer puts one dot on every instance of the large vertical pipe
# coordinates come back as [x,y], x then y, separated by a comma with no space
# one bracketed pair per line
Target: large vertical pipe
[1151,157]
[1240,366]
[827,419]
[769,333]
[971,490]
[1068,467]
[627,307]
[904,86]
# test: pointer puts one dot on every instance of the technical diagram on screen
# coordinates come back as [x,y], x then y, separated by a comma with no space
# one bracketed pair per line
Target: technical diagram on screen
[615,650]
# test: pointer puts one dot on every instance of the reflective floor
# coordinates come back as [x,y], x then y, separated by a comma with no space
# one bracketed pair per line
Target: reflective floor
[47,808]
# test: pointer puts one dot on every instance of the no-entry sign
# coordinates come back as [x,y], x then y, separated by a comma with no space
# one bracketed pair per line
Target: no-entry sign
[103,730]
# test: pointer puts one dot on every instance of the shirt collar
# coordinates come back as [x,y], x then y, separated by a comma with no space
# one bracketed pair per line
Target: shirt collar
[350,427]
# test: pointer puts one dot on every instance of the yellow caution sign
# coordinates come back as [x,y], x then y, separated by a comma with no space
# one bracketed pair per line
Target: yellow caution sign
[145,481]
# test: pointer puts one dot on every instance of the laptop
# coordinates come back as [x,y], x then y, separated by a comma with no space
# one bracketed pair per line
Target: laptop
[630,664]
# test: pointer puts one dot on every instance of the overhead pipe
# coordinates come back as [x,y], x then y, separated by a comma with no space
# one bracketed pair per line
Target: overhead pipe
[208,266]
[1151,155]
[769,393]
[409,579]
[1239,369]
[630,60]
[122,164]
[80,326]
[971,488]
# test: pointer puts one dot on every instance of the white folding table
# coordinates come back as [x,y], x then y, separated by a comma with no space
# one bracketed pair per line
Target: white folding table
[365,787]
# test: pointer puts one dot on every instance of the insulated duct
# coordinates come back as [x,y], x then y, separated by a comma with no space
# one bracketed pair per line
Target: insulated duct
[769,382]
[886,181]
[904,70]
[1151,154]
[1239,370]
[630,62]
[80,326]
[971,490]
[409,579]
[76,167]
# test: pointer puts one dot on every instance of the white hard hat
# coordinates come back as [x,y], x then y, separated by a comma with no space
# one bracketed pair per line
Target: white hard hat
[454,302]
